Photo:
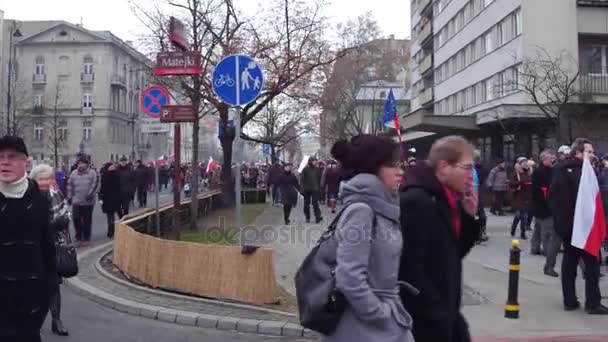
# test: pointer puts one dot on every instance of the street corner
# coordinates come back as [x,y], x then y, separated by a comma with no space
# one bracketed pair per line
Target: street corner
[582,338]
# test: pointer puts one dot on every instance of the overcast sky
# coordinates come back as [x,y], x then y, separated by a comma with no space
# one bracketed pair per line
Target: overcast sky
[116,16]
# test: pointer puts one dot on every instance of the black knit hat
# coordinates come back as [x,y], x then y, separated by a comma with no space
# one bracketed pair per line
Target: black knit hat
[14,143]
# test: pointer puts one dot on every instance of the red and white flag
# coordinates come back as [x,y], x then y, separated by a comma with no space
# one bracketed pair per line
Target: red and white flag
[589,230]
[211,165]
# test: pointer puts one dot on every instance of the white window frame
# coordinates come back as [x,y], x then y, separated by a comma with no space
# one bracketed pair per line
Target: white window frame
[517,25]
[38,100]
[500,34]
[39,67]
[38,132]
[487,42]
[88,68]
[490,89]
[62,133]
[87,100]
[604,59]
[86,133]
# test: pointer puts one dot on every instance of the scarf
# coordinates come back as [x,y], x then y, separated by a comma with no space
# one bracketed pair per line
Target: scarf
[16,189]
[453,206]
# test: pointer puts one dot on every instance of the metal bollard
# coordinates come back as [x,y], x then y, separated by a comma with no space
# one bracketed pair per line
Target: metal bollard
[512,306]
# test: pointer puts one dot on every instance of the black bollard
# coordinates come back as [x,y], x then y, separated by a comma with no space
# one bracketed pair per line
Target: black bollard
[512,306]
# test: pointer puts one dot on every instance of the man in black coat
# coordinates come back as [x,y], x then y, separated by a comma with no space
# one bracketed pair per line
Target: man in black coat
[562,202]
[27,250]
[439,224]
[551,242]
[127,185]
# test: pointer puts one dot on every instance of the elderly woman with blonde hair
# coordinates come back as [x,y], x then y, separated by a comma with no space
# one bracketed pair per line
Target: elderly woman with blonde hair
[44,175]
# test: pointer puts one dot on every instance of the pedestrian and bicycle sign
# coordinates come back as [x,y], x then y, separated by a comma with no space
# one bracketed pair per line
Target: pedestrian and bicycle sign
[153,99]
[238,80]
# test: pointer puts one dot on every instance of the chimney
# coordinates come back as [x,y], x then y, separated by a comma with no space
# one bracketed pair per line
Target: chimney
[391,37]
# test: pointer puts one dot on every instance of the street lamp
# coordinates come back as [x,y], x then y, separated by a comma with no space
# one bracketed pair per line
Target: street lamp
[13,33]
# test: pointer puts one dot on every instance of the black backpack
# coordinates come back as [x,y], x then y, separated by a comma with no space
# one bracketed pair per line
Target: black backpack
[320,304]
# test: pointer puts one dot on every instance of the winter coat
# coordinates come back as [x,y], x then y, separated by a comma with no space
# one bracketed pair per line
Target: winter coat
[332,180]
[289,187]
[498,179]
[432,258]
[521,183]
[541,180]
[142,177]
[127,182]
[274,174]
[82,187]
[59,222]
[110,192]
[310,179]
[562,196]
[27,263]
[368,255]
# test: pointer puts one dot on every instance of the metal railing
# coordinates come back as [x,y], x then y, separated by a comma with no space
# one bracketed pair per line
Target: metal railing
[87,78]
[594,84]
[39,78]
[38,109]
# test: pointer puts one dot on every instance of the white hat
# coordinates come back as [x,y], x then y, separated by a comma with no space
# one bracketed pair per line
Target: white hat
[520,159]
[564,149]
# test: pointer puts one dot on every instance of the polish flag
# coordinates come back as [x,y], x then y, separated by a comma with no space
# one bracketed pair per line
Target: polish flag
[210,165]
[589,230]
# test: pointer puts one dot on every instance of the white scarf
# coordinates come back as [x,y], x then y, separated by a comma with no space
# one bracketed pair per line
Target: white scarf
[16,189]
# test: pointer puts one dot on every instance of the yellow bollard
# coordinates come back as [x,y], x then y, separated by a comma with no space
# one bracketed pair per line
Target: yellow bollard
[512,306]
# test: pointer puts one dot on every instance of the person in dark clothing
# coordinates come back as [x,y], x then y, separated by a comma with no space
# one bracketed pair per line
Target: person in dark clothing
[28,263]
[521,183]
[562,202]
[310,182]
[331,184]
[163,177]
[551,243]
[479,178]
[498,184]
[289,187]
[142,180]
[439,224]
[110,195]
[274,174]
[127,186]
[322,192]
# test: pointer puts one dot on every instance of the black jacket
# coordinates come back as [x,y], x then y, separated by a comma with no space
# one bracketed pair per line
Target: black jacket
[142,177]
[289,187]
[431,259]
[562,196]
[127,182]
[110,191]
[541,180]
[27,262]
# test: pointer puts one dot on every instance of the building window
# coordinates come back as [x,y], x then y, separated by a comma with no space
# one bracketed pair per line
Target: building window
[38,100]
[87,101]
[489,89]
[38,132]
[501,39]
[484,91]
[39,67]
[451,28]
[517,25]
[86,134]
[62,134]
[487,43]
[88,65]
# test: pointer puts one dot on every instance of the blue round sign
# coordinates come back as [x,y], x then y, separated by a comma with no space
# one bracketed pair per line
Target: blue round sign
[238,80]
[153,99]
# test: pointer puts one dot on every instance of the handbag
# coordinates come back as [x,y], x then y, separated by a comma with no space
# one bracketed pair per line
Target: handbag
[67,259]
[320,304]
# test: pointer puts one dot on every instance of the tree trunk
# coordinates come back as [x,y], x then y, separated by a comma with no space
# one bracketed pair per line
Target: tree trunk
[195,170]
[226,141]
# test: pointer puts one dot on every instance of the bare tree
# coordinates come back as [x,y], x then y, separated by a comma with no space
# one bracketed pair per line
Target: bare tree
[550,80]
[21,105]
[58,132]
[288,42]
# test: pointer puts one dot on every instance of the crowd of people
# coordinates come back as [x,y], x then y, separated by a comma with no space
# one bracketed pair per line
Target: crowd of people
[403,226]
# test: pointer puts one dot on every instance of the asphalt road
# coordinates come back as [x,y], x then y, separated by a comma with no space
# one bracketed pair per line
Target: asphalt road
[88,321]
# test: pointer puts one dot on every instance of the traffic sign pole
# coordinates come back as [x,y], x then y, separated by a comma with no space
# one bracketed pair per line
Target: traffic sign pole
[237,137]
[177,174]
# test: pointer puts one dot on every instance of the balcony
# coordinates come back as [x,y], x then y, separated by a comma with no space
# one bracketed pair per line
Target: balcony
[37,109]
[87,78]
[118,81]
[425,33]
[424,5]
[425,97]
[426,64]
[86,110]
[39,79]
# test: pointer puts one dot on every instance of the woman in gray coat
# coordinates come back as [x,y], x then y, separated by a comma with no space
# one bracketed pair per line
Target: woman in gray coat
[370,242]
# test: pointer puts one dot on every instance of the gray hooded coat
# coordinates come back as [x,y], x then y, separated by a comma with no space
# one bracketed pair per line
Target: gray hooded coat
[368,259]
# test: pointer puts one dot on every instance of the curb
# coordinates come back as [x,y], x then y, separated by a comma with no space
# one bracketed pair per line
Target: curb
[167,294]
[226,323]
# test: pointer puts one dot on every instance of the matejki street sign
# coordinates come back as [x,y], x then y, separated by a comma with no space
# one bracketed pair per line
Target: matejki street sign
[178,63]
[180,113]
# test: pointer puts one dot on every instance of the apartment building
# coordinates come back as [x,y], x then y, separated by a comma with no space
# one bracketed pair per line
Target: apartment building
[76,90]
[480,50]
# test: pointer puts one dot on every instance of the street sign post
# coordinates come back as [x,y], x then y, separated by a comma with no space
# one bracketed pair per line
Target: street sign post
[178,63]
[178,114]
[153,99]
[238,80]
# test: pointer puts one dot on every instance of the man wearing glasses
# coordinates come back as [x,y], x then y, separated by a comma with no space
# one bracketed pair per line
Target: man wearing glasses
[27,249]
[439,221]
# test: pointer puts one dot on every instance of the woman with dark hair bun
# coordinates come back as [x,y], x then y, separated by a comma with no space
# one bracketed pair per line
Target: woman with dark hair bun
[370,243]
